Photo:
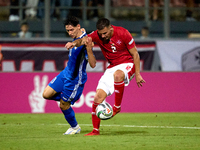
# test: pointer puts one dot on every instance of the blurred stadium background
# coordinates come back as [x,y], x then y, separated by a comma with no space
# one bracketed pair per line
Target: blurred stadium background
[164,18]
[170,65]
[171,48]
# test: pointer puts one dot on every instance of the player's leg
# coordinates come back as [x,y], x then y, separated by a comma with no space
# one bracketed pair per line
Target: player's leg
[51,94]
[122,76]
[54,88]
[98,98]
[71,93]
[119,90]
[70,117]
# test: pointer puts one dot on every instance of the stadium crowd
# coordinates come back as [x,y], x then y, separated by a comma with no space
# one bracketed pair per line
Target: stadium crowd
[34,9]
[25,11]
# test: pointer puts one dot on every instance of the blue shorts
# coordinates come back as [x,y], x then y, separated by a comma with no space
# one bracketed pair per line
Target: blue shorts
[70,90]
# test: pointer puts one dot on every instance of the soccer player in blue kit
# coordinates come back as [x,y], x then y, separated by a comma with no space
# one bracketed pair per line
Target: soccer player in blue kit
[67,87]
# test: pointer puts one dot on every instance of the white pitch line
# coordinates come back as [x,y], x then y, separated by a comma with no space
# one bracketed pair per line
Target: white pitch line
[134,126]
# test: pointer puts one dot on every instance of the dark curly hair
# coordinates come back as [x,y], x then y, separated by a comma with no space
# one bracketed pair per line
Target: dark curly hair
[71,21]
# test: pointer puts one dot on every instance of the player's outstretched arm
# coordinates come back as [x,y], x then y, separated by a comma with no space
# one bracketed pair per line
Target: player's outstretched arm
[76,43]
[89,45]
[136,58]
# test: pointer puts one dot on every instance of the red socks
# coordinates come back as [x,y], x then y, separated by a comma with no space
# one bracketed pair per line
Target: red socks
[95,119]
[119,90]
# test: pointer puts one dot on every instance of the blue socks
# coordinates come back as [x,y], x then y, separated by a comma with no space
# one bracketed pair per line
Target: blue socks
[70,116]
[69,113]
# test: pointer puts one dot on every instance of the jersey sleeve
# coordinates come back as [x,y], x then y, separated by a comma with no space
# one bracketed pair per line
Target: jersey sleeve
[94,36]
[129,41]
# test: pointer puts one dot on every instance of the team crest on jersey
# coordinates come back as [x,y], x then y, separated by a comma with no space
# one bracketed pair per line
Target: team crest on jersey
[128,67]
[119,42]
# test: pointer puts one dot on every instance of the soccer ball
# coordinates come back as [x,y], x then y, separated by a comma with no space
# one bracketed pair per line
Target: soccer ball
[104,111]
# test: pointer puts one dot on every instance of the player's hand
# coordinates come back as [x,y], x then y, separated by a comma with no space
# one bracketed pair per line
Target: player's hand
[83,30]
[89,42]
[139,80]
[69,45]
[36,101]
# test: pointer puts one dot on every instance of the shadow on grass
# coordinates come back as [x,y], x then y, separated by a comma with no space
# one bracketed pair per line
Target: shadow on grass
[123,132]
[102,132]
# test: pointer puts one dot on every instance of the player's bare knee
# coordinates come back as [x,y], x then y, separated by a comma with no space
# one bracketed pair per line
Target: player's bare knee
[64,105]
[45,95]
[119,76]
[96,98]
[48,92]
[100,96]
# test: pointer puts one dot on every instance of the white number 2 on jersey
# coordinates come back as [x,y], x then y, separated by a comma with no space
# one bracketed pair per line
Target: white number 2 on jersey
[113,48]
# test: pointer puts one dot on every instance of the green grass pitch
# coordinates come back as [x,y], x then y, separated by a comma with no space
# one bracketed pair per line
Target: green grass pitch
[126,131]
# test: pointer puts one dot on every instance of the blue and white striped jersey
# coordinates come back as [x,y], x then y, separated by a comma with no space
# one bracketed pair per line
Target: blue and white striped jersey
[76,66]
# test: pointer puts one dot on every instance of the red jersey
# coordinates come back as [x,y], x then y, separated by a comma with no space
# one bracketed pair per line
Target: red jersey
[116,50]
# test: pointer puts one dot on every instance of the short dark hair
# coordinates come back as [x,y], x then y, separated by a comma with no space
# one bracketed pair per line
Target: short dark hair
[72,20]
[102,23]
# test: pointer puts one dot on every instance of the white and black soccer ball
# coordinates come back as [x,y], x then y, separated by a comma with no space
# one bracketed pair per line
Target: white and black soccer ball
[104,111]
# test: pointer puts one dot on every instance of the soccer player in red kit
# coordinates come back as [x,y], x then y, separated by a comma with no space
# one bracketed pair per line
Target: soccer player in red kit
[118,47]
